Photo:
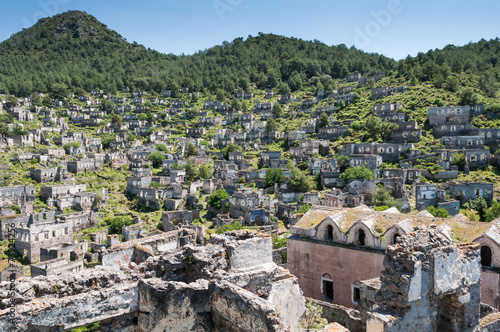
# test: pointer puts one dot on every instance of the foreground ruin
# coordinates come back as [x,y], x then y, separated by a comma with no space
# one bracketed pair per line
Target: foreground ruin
[230,284]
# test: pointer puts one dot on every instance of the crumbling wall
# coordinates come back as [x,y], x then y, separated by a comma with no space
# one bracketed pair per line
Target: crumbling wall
[429,284]
[192,288]
[236,309]
[174,306]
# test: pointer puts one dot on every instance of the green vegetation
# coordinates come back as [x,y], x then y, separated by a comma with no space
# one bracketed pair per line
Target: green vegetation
[376,129]
[229,227]
[300,181]
[156,158]
[215,198]
[303,209]
[438,212]
[383,197]
[116,223]
[359,172]
[274,175]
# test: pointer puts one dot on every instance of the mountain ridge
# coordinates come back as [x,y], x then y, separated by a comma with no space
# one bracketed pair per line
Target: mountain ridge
[77,50]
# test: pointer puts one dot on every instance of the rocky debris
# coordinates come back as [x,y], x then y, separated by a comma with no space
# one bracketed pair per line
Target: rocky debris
[400,263]
[68,285]
[190,288]
[428,284]
[189,264]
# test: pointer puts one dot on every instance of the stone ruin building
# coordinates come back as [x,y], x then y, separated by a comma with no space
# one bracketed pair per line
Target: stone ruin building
[428,283]
[230,284]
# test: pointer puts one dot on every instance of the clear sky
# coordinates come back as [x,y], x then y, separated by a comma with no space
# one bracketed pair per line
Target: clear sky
[394,28]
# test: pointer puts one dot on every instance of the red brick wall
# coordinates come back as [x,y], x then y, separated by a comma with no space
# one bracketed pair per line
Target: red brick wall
[309,261]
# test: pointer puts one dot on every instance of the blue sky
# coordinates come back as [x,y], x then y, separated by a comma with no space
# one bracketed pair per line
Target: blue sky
[394,28]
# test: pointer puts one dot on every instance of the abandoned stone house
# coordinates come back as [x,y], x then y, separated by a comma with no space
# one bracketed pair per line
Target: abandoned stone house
[209,122]
[306,104]
[55,174]
[450,114]
[119,100]
[315,165]
[329,110]
[56,190]
[172,219]
[465,191]
[56,267]
[346,98]
[23,140]
[225,170]
[195,132]
[79,220]
[333,241]
[58,153]
[393,117]
[10,270]
[242,204]
[311,126]
[152,197]
[330,179]
[372,161]
[138,93]
[21,192]
[238,159]
[295,135]
[285,99]
[390,152]
[353,77]
[387,108]
[407,175]
[362,81]
[30,240]
[378,93]
[21,114]
[407,132]
[166,93]
[244,95]
[473,157]
[81,201]
[333,132]
[429,195]
[308,148]
[463,142]
[83,165]
[266,157]
[177,176]
[212,104]
[179,103]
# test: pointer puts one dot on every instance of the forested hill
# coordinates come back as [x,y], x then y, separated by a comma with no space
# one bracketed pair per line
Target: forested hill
[76,50]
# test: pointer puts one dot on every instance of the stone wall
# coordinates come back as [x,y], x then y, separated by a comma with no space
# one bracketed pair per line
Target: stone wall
[429,284]
[349,318]
[311,261]
[193,288]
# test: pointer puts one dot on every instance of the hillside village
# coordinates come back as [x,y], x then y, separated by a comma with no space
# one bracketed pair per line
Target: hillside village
[272,199]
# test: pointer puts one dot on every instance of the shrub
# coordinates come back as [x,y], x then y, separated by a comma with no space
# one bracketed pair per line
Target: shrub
[438,212]
[274,175]
[303,209]
[358,172]
[215,198]
[228,227]
[116,223]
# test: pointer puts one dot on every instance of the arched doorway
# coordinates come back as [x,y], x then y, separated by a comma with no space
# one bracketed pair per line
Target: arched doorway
[329,233]
[486,256]
[327,287]
[395,238]
[361,237]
